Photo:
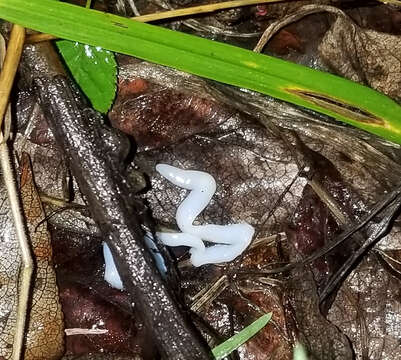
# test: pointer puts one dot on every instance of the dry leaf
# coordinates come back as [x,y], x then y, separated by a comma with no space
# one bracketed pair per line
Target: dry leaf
[364,56]
[368,311]
[9,271]
[45,338]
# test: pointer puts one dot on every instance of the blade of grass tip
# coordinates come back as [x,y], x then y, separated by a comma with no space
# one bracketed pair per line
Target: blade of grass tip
[88,4]
[300,352]
[228,346]
[193,10]
[7,76]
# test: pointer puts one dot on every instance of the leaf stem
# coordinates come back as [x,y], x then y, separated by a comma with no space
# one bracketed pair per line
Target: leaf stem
[7,76]
[202,9]
[27,263]
[10,66]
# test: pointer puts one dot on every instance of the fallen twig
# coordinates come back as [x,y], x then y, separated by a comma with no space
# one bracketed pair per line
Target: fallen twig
[7,76]
[194,10]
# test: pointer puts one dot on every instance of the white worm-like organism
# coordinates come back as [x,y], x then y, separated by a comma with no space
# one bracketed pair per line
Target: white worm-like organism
[111,274]
[234,237]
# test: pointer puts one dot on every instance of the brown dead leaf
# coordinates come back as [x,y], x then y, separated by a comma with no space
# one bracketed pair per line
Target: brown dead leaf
[9,271]
[45,337]
[368,311]
[323,339]
[366,56]
[51,179]
[140,100]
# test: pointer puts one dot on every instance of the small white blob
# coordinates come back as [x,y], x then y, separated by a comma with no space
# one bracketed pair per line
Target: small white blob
[111,274]
[234,237]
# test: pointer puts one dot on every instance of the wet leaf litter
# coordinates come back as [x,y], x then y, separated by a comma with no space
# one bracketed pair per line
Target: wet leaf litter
[266,157]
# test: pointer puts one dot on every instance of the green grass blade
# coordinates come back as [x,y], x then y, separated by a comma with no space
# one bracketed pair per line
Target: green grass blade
[228,346]
[342,99]
[300,352]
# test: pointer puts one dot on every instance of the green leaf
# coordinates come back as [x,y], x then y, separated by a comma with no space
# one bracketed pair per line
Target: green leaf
[243,336]
[339,98]
[94,69]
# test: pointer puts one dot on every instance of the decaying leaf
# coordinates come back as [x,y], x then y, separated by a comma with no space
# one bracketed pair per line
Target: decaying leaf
[364,56]
[323,339]
[44,339]
[9,271]
[367,310]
